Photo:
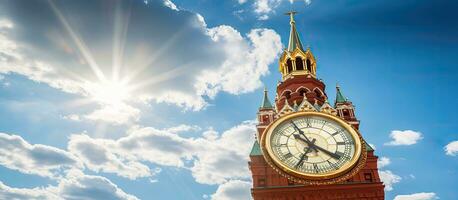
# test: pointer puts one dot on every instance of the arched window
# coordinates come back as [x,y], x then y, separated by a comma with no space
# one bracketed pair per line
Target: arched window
[288,94]
[302,92]
[290,65]
[309,65]
[317,92]
[299,64]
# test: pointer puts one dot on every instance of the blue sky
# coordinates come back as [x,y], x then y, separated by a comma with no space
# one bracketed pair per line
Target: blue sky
[156,99]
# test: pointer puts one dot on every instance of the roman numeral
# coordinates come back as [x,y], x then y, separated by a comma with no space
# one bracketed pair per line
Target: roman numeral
[307,121]
[340,154]
[323,124]
[337,132]
[280,145]
[288,155]
[340,143]
[299,164]
[315,166]
[333,165]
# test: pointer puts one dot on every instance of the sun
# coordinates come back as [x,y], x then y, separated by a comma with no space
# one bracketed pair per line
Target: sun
[110,92]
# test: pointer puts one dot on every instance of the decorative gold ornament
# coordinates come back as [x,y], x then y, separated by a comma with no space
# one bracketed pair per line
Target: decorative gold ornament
[307,59]
[313,148]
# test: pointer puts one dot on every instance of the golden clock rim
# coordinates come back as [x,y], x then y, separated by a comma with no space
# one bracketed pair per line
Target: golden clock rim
[268,154]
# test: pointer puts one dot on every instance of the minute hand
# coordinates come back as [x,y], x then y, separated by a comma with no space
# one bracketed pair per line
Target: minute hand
[334,155]
[301,132]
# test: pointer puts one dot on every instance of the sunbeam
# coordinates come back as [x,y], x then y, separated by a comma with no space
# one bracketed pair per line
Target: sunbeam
[79,42]
[121,24]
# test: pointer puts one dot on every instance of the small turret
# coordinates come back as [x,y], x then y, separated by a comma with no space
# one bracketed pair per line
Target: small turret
[266,113]
[345,108]
[265,101]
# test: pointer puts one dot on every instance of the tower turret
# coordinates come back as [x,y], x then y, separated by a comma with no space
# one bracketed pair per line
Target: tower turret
[345,108]
[266,113]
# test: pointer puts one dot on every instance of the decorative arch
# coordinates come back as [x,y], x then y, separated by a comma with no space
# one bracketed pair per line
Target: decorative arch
[302,90]
[318,92]
[286,93]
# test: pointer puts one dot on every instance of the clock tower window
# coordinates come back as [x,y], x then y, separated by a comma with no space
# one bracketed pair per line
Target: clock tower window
[299,64]
[309,65]
[317,93]
[287,94]
[290,66]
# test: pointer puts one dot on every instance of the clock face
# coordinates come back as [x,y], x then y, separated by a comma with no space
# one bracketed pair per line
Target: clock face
[313,145]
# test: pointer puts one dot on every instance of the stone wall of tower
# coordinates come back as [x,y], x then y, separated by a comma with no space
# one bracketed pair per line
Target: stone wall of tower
[291,90]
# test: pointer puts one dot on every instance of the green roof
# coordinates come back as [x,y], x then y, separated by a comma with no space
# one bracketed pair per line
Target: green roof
[368,147]
[256,149]
[294,40]
[340,97]
[266,102]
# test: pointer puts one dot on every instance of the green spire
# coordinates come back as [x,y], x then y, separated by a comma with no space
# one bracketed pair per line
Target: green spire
[340,97]
[265,101]
[256,149]
[294,40]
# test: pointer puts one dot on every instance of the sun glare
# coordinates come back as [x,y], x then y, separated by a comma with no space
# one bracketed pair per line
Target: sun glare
[110,92]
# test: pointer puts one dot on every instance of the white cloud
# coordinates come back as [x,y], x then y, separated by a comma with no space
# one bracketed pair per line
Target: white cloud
[96,155]
[407,137]
[171,5]
[5,24]
[234,189]
[136,67]
[116,114]
[264,8]
[75,186]
[212,159]
[418,196]
[226,157]
[251,58]
[383,161]
[7,192]
[72,117]
[389,179]
[42,160]
[451,148]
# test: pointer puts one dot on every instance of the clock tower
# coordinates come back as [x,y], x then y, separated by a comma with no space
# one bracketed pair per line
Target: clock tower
[305,147]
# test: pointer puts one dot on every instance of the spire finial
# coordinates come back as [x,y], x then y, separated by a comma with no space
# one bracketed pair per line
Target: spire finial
[291,16]
[294,41]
